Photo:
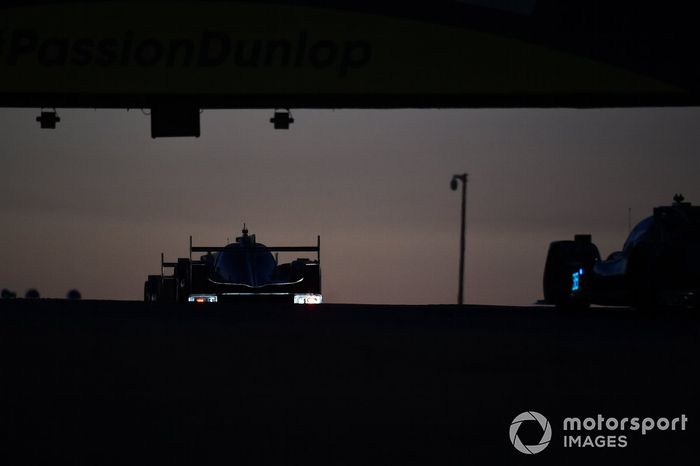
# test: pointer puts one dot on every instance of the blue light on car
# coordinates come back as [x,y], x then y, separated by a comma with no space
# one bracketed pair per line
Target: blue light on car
[575,281]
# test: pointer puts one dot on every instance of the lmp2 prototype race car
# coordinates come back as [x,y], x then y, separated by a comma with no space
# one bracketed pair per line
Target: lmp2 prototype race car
[244,271]
[658,267]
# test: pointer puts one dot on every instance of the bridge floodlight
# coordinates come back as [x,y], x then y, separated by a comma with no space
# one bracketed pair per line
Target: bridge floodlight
[282,119]
[48,120]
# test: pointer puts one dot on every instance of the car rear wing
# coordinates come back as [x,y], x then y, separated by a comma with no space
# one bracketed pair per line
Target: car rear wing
[210,249]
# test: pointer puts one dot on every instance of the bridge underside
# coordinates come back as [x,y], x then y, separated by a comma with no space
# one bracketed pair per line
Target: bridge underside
[296,54]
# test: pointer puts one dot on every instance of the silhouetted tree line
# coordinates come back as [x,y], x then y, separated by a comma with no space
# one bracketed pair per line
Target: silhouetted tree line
[33,293]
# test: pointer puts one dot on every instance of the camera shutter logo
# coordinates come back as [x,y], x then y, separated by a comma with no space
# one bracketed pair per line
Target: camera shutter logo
[546,432]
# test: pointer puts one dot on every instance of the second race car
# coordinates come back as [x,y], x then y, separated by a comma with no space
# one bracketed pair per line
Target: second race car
[658,266]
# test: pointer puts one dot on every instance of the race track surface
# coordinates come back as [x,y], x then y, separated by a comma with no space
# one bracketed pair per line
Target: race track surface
[105,382]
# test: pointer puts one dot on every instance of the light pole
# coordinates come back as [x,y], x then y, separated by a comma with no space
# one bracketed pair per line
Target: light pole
[453,184]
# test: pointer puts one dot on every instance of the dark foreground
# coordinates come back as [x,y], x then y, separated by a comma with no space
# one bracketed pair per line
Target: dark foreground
[117,382]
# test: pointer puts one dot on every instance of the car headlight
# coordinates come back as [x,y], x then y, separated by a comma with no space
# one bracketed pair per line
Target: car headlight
[202,298]
[308,298]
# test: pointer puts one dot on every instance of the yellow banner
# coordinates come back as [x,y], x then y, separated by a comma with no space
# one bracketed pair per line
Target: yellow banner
[220,48]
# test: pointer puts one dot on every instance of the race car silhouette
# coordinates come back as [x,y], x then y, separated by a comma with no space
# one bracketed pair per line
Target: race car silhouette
[658,266]
[240,271]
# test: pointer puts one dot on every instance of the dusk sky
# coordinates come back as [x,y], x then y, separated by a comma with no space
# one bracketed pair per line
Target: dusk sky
[92,204]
